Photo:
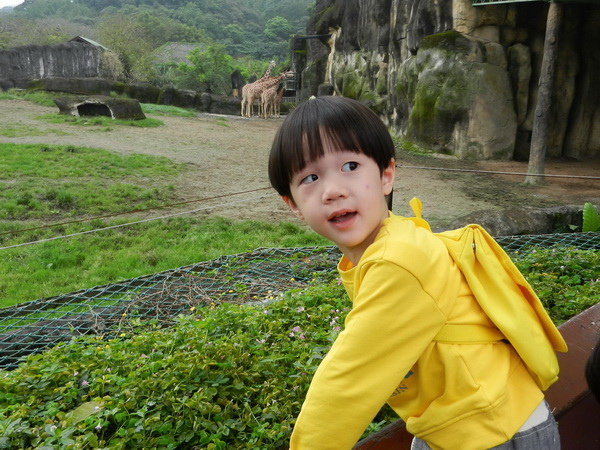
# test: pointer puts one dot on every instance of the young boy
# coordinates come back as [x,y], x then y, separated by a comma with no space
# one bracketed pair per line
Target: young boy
[333,162]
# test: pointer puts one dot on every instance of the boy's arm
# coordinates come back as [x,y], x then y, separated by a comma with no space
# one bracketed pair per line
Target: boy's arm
[392,321]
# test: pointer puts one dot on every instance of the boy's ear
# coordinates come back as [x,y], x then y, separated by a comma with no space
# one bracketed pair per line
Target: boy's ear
[387,177]
[290,202]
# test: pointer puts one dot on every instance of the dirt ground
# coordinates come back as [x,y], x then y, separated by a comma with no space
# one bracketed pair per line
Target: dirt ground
[227,160]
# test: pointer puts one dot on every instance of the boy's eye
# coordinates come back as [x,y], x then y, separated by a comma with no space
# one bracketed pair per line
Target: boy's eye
[309,179]
[350,166]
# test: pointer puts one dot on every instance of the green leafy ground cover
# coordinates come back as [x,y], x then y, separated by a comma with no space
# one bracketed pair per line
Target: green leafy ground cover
[222,377]
[567,280]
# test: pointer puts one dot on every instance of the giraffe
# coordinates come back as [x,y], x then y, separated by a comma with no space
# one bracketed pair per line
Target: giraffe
[266,100]
[277,104]
[269,96]
[252,91]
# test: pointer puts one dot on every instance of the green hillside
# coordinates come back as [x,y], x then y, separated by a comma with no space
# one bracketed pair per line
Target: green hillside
[240,34]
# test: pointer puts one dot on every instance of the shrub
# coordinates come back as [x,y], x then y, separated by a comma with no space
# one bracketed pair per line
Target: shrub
[567,280]
[224,377]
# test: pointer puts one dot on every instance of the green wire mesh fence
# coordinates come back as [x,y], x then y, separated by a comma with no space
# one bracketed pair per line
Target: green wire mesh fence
[250,277]
[257,276]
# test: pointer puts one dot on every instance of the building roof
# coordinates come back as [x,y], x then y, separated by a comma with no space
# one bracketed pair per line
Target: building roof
[88,41]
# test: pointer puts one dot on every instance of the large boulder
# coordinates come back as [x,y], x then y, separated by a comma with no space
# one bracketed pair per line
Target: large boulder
[144,92]
[219,104]
[523,220]
[460,97]
[395,56]
[179,97]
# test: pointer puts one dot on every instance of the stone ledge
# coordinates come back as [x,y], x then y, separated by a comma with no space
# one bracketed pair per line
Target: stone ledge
[115,108]
[524,220]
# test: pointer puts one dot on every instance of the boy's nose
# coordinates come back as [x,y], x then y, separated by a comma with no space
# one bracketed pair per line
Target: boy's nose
[332,190]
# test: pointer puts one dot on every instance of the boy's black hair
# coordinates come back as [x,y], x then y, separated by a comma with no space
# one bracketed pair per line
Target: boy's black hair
[592,371]
[349,124]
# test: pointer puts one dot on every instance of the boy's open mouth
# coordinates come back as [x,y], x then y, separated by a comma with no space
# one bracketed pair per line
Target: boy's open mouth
[342,217]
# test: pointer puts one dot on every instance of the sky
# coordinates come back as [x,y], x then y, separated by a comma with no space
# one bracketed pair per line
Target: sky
[4,3]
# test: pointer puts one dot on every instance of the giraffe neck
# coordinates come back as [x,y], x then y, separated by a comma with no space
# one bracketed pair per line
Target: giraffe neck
[268,71]
[273,81]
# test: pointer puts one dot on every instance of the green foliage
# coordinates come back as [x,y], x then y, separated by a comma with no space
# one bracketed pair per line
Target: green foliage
[127,37]
[18,31]
[54,8]
[136,35]
[278,28]
[228,377]
[209,71]
[591,218]
[278,33]
[567,280]
[258,29]
[249,67]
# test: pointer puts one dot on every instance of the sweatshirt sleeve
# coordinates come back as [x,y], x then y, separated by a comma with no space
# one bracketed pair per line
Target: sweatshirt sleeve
[392,321]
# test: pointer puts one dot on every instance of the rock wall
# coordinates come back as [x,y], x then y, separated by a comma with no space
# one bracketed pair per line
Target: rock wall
[457,79]
[72,59]
[144,93]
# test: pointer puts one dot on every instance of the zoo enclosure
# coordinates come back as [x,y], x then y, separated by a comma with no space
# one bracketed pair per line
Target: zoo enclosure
[258,276]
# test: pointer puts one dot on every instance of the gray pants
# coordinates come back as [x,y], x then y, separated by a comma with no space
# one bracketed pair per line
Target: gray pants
[540,437]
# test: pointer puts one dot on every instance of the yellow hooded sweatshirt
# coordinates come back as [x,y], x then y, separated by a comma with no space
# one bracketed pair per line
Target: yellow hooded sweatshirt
[406,292]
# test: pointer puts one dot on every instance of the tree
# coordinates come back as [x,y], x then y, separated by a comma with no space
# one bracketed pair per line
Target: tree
[277,31]
[210,70]
[235,33]
[160,29]
[278,28]
[128,38]
[15,31]
[539,135]
[64,9]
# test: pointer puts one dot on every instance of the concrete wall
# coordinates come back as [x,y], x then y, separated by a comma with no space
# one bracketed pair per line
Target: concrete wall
[73,59]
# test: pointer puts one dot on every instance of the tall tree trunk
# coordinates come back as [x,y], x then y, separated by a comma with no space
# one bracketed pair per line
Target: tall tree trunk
[539,135]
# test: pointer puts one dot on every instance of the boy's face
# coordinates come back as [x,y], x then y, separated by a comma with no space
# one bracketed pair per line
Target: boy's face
[341,196]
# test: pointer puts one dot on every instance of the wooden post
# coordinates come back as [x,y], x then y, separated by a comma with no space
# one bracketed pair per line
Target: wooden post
[541,121]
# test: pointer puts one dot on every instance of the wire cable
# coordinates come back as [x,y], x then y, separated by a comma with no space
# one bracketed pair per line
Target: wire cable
[402,166]
[106,216]
[134,223]
[583,177]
